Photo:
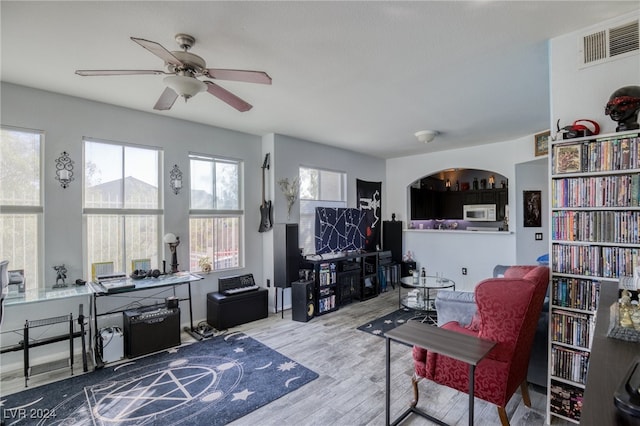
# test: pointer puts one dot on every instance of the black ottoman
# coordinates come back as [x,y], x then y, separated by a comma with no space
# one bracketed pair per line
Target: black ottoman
[227,311]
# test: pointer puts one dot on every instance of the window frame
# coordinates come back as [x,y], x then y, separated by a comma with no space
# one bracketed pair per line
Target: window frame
[318,202]
[220,213]
[38,210]
[122,212]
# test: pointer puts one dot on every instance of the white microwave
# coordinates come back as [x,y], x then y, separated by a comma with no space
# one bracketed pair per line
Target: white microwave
[479,212]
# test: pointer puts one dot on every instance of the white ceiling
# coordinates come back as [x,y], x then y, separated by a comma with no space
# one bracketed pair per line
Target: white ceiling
[360,75]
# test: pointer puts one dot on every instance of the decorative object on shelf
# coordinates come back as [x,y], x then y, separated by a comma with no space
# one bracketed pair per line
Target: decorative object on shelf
[492,182]
[64,169]
[175,179]
[173,242]
[475,183]
[567,158]
[532,208]
[447,184]
[426,136]
[577,130]
[505,222]
[290,191]
[205,264]
[623,107]
[541,143]
[61,275]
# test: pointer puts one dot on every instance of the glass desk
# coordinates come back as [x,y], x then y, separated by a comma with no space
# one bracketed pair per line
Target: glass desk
[42,295]
[131,300]
[422,295]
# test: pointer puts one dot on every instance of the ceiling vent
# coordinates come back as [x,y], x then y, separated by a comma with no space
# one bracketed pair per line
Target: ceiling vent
[609,44]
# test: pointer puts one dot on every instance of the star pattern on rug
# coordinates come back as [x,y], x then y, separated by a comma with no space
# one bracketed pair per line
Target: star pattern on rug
[238,350]
[287,366]
[388,321]
[376,332]
[242,396]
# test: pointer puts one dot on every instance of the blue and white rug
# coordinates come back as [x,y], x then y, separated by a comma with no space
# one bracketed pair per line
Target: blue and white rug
[380,326]
[212,382]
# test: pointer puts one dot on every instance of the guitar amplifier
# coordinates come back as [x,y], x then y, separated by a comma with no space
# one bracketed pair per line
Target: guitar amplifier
[150,329]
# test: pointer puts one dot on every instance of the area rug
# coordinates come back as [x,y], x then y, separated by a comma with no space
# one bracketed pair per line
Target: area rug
[380,326]
[211,382]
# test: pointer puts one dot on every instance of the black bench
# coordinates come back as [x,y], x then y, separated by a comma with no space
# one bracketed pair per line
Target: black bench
[228,310]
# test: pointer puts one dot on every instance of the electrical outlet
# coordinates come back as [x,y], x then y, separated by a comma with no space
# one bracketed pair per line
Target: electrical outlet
[538,236]
[464,271]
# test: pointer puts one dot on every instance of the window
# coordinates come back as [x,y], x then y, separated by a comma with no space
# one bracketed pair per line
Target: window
[122,204]
[318,188]
[21,202]
[216,215]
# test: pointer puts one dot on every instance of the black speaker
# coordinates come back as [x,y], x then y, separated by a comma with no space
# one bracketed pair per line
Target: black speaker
[286,254]
[392,238]
[303,303]
[151,329]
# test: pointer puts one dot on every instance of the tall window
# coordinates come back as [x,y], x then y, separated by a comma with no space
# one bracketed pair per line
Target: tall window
[216,215]
[318,188]
[21,202]
[122,204]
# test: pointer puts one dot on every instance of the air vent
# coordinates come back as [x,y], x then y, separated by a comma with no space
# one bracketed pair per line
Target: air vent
[610,43]
[624,39]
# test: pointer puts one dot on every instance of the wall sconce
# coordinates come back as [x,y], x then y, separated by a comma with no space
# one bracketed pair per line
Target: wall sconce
[175,179]
[447,184]
[64,169]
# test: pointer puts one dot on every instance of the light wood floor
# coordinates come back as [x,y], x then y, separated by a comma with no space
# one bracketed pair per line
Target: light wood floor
[351,365]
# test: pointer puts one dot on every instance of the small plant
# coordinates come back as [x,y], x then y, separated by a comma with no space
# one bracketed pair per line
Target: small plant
[205,264]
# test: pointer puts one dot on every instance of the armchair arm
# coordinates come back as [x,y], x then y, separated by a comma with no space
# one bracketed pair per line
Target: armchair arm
[457,306]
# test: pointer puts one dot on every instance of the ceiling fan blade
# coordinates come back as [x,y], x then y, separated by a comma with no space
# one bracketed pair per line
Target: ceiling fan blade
[166,100]
[227,97]
[239,75]
[87,73]
[158,50]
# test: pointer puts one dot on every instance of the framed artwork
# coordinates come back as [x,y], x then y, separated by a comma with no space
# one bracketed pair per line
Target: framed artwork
[541,141]
[141,264]
[532,209]
[101,268]
[567,158]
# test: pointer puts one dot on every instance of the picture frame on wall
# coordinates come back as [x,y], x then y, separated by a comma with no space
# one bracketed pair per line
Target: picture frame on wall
[532,209]
[541,143]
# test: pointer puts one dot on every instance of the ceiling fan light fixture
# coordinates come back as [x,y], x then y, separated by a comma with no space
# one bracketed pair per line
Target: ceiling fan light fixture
[185,86]
[426,136]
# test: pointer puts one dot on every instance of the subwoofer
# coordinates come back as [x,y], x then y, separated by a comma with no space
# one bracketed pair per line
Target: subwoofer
[303,303]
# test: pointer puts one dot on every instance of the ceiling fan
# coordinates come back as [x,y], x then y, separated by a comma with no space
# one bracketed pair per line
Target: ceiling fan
[183,68]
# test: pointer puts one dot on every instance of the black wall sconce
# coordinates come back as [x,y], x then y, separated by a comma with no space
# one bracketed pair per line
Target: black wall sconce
[64,169]
[175,179]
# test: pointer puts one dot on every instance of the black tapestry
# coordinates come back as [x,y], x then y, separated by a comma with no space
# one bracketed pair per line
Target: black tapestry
[369,203]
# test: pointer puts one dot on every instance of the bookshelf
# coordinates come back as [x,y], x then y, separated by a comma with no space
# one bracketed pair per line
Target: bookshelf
[595,237]
[340,279]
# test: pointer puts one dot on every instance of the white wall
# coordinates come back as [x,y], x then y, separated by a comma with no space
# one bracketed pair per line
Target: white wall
[531,176]
[290,154]
[583,93]
[448,252]
[65,120]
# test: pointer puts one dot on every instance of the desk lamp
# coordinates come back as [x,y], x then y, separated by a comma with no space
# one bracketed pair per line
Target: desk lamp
[173,242]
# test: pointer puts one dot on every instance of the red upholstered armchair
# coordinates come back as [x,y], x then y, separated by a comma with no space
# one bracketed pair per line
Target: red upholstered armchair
[508,311]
